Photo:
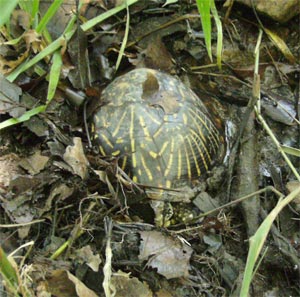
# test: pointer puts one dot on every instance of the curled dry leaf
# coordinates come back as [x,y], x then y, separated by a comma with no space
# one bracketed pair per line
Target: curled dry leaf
[9,96]
[86,255]
[75,157]
[105,179]
[32,38]
[34,163]
[59,192]
[167,254]
[8,170]
[64,284]
[124,285]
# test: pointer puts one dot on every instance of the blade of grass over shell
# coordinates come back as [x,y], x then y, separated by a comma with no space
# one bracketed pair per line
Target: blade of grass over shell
[258,239]
[7,8]
[220,33]
[91,23]
[124,41]
[204,11]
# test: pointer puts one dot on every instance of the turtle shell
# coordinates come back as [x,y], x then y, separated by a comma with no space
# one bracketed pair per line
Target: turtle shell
[158,129]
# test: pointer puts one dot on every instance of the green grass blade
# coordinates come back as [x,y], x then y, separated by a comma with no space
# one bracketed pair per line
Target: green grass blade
[291,150]
[54,75]
[204,10]
[91,23]
[23,118]
[258,239]
[8,272]
[7,7]
[220,33]
[48,15]
[32,7]
[124,42]
[47,51]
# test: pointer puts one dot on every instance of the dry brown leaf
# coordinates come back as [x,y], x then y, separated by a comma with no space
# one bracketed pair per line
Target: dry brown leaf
[58,192]
[8,169]
[75,157]
[7,66]
[124,285]
[20,20]
[32,39]
[104,178]
[64,284]
[34,163]
[167,254]
[163,293]
[281,45]
[86,255]
[10,95]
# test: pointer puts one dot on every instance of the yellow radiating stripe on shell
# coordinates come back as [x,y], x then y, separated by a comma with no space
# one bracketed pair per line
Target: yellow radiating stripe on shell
[164,146]
[179,166]
[201,153]
[152,117]
[145,129]
[131,122]
[181,91]
[195,135]
[133,153]
[119,140]
[93,129]
[157,132]
[184,117]
[107,141]
[102,150]
[153,154]
[134,179]
[170,161]
[194,157]
[115,153]
[124,163]
[214,135]
[147,170]
[199,129]
[188,165]
[168,184]
[96,119]
[115,132]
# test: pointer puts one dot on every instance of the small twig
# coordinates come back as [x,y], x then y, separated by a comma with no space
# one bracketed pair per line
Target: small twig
[87,132]
[266,189]
[108,254]
[21,224]
[163,26]
[76,233]
[277,143]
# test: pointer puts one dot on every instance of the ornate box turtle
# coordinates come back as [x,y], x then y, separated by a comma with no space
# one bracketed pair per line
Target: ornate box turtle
[160,131]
